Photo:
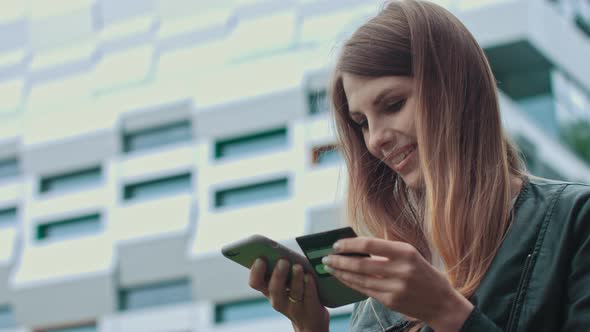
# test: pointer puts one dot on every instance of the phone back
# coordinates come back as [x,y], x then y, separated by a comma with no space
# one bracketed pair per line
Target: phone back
[245,252]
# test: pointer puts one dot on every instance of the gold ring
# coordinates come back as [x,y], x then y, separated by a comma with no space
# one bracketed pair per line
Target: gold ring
[293,300]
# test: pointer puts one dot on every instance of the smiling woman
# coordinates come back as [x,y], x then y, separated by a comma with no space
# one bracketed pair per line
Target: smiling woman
[387,122]
[460,236]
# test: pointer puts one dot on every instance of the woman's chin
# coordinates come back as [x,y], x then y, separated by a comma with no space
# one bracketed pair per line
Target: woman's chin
[413,180]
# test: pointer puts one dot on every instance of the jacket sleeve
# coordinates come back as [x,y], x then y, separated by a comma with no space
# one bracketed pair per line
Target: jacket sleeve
[478,322]
[577,311]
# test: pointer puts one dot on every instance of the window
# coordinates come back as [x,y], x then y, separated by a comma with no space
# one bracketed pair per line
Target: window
[244,310]
[532,160]
[158,187]
[340,322]
[9,168]
[317,102]
[155,295]
[8,217]
[6,318]
[250,144]
[76,180]
[68,228]
[524,74]
[251,194]
[325,155]
[157,136]
[81,328]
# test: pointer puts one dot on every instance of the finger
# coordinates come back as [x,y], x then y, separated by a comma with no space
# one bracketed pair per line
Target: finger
[361,265]
[297,287]
[277,284]
[362,281]
[310,295]
[257,276]
[368,292]
[372,246]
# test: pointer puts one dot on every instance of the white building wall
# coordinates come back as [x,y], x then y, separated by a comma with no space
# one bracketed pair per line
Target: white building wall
[78,90]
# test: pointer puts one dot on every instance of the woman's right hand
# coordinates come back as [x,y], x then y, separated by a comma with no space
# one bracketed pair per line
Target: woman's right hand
[303,307]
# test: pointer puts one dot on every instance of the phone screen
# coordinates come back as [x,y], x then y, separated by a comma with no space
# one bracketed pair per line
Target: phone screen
[317,246]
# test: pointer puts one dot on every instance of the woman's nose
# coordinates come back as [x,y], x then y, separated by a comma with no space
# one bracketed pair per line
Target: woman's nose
[380,141]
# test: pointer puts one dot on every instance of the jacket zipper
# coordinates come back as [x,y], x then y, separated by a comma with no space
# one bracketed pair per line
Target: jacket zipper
[524,274]
[399,327]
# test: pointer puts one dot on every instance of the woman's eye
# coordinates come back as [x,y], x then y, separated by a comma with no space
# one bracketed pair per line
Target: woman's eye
[396,106]
[362,124]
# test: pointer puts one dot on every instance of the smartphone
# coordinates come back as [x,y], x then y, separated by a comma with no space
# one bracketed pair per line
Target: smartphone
[316,246]
[331,292]
[245,252]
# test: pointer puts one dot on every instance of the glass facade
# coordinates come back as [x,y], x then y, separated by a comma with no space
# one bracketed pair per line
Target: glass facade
[544,93]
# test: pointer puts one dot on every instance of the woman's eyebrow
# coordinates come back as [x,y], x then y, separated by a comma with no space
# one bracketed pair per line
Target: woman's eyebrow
[380,96]
[378,100]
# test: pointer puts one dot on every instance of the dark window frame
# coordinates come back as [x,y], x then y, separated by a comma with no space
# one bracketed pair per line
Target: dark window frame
[128,136]
[6,211]
[220,310]
[66,327]
[222,144]
[123,293]
[130,188]
[47,182]
[42,229]
[314,97]
[318,150]
[16,171]
[219,194]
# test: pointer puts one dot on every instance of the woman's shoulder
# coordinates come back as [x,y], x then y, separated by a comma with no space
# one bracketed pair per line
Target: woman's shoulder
[565,191]
[566,200]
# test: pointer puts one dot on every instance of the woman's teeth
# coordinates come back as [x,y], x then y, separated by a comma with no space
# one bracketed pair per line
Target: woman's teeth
[400,157]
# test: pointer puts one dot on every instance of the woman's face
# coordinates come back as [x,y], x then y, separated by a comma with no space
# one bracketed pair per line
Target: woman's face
[384,110]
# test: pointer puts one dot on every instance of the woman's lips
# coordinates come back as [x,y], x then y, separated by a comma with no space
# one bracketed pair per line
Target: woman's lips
[401,159]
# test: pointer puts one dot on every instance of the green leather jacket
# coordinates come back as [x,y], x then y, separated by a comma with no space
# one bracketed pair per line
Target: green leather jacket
[539,279]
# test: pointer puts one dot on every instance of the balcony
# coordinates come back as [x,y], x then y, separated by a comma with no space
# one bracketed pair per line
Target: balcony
[58,271]
[8,256]
[178,317]
[151,238]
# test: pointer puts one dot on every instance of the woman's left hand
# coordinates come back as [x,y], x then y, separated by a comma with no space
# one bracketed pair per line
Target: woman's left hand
[401,279]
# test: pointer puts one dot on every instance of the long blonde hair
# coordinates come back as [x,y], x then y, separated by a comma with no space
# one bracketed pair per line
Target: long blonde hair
[467,161]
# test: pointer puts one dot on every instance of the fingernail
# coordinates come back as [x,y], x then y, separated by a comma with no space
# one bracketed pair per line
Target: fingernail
[337,245]
[258,262]
[296,268]
[283,264]
[326,260]
[328,269]
[306,278]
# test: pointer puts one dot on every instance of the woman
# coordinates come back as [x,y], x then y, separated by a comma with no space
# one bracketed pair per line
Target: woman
[460,237]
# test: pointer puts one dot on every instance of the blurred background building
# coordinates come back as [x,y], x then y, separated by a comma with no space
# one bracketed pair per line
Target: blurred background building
[139,136]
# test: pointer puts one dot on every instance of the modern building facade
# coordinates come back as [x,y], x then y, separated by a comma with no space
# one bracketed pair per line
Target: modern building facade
[138,137]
